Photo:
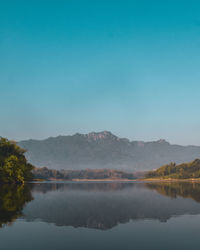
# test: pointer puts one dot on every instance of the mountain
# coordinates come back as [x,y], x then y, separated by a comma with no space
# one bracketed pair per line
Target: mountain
[105,150]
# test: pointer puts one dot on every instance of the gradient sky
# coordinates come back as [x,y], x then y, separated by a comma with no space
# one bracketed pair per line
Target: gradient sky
[130,67]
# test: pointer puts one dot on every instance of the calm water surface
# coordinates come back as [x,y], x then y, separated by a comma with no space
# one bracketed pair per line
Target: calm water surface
[100,216]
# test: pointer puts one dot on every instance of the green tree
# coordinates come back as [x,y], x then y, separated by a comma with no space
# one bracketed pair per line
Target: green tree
[14,167]
[181,171]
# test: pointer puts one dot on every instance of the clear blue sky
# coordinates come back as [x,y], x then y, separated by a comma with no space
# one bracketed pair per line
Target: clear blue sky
[130,67]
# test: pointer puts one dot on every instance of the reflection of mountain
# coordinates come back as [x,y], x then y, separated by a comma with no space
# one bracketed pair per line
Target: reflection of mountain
[12,200]
[103,206]
[45,187]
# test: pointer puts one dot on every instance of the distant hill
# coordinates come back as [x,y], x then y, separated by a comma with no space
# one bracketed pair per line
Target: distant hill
[181,171]
[105,150]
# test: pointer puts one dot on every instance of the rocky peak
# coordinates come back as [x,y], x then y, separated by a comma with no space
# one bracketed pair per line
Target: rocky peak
[95,136]
[162,141]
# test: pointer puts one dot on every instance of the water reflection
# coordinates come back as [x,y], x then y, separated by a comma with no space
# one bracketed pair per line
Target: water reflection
[105,205]
[97,205]
[12,201]
[175,189]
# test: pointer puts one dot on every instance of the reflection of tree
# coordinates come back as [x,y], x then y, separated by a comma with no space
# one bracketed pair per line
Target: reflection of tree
[12,200]
[83,186]
[174,189]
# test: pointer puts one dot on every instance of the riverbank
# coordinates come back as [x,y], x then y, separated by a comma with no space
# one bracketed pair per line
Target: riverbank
[169,180]
[121,180]
[95,180]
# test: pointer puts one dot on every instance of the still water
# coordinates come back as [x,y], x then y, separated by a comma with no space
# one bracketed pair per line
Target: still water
[100,216]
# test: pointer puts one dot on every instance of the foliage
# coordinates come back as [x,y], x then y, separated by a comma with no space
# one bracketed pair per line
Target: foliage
[14,167]
[181,171]
[12,200]
[45,173]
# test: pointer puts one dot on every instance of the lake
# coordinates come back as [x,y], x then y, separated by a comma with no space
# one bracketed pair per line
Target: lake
[90,215]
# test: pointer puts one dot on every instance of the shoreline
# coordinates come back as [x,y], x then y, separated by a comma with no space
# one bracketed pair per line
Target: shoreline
[94,180]
[120,180]
[170,180]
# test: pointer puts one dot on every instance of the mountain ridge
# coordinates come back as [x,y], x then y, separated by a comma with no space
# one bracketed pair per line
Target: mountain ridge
[105,150]
[95,136]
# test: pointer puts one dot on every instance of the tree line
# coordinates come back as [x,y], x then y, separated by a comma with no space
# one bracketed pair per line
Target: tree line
[181,171]
[45,173]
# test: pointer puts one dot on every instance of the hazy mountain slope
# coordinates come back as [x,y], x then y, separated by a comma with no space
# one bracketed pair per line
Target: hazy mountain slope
[105,150]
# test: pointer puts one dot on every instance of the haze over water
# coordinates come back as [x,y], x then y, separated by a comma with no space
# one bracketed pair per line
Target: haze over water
[100,216]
